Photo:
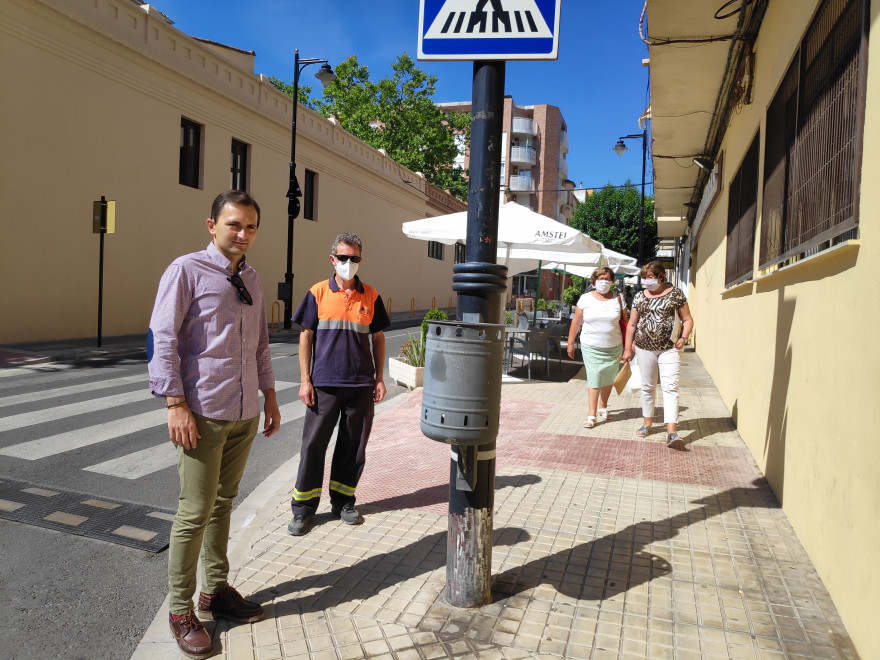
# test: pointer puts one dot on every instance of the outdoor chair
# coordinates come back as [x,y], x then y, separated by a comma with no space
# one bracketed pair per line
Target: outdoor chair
[537,343]
[558,333]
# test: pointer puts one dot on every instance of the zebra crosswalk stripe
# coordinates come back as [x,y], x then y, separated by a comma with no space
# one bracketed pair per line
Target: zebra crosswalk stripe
[18,399]
[146,461]
[60,412]
[84,437]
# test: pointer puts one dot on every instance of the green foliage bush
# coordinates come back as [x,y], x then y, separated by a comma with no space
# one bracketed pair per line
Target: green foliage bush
[570,295]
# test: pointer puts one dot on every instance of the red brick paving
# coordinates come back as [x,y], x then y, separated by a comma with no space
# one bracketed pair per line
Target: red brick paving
[407,470]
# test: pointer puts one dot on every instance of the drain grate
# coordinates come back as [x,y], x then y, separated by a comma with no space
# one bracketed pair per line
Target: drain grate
[134,525]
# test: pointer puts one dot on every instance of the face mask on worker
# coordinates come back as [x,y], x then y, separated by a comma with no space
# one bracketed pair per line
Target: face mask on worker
[346,270]
[651,285]
[603,286]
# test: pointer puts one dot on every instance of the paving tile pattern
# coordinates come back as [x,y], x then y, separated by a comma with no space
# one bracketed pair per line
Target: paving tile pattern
[604,546]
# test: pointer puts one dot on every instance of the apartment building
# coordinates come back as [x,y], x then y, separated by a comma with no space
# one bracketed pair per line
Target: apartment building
[534,171]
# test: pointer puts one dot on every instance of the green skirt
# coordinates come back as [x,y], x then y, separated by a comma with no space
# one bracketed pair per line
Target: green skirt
[601,364]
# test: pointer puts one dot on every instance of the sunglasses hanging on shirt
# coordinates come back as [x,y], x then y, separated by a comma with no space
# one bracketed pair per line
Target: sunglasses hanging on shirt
[243,293]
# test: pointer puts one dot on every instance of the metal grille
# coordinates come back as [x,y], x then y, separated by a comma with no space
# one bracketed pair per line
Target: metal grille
[741,207]
[814,126]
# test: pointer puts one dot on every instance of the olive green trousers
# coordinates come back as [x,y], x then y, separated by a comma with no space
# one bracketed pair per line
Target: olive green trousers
[209,478]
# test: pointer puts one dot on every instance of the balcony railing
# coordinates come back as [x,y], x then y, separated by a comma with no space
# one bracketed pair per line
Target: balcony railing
[523,126]
[522,155]
[563,141]
[520,183]
[563,168]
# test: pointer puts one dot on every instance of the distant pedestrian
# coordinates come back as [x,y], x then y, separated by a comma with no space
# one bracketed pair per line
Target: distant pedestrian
[600,311]
[208,354]
[341,361]
[650,331]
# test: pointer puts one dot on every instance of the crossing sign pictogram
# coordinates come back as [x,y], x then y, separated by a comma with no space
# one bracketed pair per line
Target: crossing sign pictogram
[489,29]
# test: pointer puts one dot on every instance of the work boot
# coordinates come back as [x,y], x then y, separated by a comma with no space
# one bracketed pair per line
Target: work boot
[229,604]
[192,638]
[300,525]
[348,514]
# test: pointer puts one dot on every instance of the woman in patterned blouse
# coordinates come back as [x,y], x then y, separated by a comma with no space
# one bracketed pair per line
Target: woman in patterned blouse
[650,329]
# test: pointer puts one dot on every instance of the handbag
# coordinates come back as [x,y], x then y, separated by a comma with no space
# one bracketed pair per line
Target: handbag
[634,384]
[676,327]
[623,320]
[622,377]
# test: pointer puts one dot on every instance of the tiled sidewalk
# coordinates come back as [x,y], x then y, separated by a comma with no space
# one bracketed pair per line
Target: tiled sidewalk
[605,546]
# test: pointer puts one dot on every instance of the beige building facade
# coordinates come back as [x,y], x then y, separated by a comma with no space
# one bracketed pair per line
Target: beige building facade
[779,250]
[109,98]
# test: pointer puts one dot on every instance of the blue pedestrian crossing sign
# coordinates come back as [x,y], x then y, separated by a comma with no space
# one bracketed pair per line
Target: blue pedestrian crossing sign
[489,29]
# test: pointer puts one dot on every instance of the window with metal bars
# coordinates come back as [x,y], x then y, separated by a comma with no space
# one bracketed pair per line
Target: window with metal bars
[435,250]
[190,152]
[742,203]
[239,166]
[310,206]
[460,253]
[813,151]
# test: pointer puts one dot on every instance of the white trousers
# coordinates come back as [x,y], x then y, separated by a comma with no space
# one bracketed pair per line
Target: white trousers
[666,364]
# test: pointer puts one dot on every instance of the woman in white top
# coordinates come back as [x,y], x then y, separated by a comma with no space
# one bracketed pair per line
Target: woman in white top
[600,312]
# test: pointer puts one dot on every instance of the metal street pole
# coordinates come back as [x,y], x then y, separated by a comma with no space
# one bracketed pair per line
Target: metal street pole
[325,75]
[642,205]
[480,283]
[293,195]
[619,148]
[101,267]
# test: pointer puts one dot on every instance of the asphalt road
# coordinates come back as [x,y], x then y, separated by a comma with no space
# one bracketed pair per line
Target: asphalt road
[69,596]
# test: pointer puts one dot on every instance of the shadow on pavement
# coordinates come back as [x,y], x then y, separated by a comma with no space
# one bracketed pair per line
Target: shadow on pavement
[591,571]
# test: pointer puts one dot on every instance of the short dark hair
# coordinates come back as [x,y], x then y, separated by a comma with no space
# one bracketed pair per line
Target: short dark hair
[654,268]
[599,272]
[236,198]
[349,239]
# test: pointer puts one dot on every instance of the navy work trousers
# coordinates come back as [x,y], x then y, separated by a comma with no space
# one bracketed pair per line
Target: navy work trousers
[352,408]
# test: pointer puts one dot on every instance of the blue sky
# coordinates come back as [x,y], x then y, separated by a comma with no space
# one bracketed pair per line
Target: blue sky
[598,82]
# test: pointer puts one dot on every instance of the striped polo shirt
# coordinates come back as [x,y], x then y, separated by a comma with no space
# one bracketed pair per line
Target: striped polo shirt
[342,325]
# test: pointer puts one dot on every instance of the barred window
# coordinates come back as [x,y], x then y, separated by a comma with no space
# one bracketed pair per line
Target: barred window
[435,250]
[190,153]
[239,166]
[310,205]
[742,204]
[812,159]
[460,253]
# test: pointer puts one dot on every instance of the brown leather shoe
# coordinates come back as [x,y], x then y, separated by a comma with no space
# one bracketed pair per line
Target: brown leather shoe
[192,638]
[229,604]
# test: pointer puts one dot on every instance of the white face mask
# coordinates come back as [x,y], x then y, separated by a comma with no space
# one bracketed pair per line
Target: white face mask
[603,286]
[651,285]
[346,270]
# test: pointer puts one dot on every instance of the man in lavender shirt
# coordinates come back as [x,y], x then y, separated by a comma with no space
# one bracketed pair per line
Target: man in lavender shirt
[208,354]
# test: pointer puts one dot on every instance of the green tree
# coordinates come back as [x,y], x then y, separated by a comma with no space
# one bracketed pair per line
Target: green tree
[305,91]
[397,114]
[611,216]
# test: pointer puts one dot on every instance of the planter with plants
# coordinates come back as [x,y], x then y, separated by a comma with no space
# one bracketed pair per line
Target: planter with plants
[408,368]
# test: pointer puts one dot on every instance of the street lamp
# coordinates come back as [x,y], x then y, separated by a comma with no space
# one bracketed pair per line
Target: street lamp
[326,76]
[619,148]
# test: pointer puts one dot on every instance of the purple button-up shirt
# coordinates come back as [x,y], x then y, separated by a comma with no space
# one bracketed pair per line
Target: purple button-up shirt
[206,344]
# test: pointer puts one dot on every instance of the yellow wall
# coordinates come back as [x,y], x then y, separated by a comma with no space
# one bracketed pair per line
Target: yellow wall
[794,359]
[92,99]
